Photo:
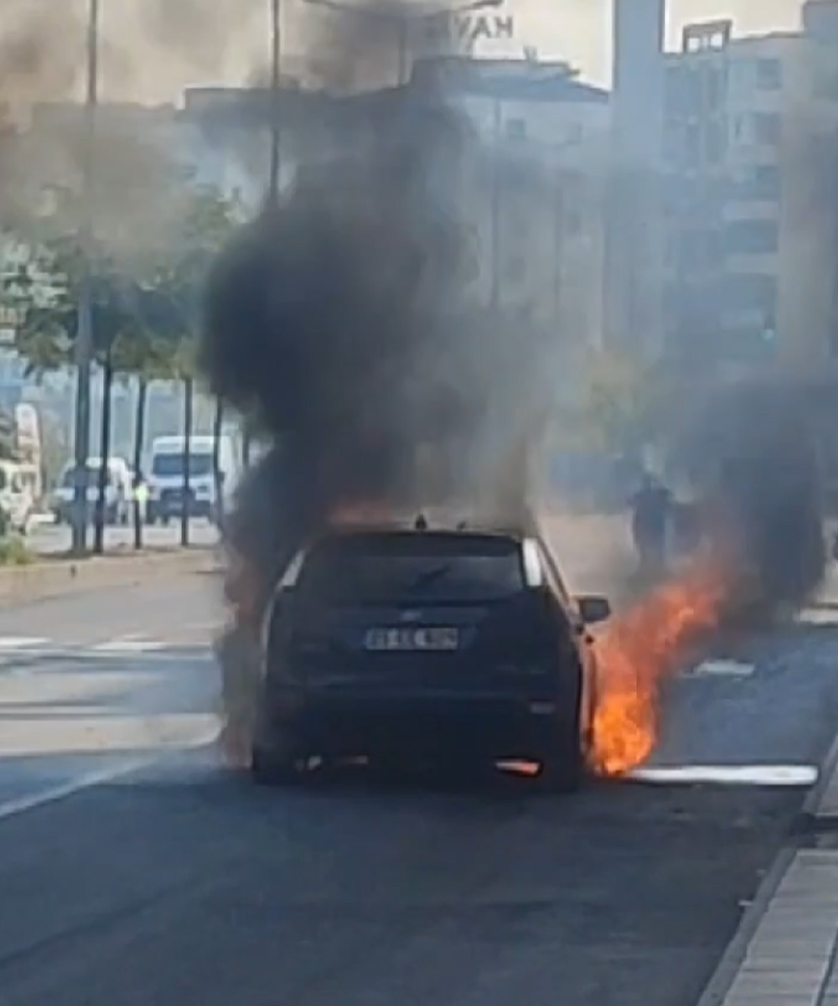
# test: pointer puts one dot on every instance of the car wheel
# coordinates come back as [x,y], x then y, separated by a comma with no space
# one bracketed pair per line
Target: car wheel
[563,764]
[562,758]
[273,768]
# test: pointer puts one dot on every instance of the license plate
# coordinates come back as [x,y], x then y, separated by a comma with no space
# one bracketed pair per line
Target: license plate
[412,640]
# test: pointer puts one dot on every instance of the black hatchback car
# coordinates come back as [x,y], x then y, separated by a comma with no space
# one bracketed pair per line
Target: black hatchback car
[397,645]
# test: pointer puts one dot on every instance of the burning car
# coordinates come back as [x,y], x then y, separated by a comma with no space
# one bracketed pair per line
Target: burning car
[415,645]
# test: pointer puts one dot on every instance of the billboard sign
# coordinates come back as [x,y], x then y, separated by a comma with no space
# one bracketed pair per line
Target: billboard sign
[459,32]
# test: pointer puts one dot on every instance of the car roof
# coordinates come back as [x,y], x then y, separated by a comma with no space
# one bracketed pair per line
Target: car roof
[398,527]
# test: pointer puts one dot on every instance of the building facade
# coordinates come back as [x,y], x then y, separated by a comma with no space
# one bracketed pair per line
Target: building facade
[535,191]
[529,189]
[633,211]
[749,176]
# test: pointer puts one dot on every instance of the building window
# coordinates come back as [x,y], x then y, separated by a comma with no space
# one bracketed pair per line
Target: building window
[515,269]
[752,237]
[572,219]
[692,145]
[714,142]
[767,128]
[760,184]
[769,74]
[517,223]
[714,88]
[516,129]
[752,293]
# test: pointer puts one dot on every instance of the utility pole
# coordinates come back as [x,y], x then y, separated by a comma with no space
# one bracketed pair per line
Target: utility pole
[276,126]
[84,324]
[558,252]
[275,163]
[402,29]
[495,208]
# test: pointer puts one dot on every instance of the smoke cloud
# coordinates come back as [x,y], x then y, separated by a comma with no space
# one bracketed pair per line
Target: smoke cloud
[343,322]
[752,453]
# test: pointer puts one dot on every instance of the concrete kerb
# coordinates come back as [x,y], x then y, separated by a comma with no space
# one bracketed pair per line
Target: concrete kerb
[48,579]
[821,802]
[820,808]
[732,959]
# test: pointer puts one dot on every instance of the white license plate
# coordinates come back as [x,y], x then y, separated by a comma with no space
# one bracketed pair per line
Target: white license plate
[433,639]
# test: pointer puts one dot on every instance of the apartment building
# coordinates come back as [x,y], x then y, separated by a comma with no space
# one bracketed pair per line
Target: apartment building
[633,217]
[533,193]
[749,158]
[530,190]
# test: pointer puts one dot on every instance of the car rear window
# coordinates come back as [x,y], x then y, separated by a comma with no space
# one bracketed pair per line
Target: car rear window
[422,566]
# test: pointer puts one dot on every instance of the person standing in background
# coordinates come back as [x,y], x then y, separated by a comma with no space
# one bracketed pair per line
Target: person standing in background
[651,511]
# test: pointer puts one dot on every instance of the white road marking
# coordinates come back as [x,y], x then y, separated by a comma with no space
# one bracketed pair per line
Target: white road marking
[819,616]
[720,669]
[90,779]
[20,642]
[728,775]
[128,644]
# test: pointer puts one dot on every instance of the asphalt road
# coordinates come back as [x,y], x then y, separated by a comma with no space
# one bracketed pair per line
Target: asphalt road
[175,882]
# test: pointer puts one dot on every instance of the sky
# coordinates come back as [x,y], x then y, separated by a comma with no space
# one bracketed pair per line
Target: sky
[580,30]
[152,49]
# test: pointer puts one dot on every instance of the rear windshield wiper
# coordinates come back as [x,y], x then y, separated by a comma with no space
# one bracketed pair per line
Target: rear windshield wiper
[428,577]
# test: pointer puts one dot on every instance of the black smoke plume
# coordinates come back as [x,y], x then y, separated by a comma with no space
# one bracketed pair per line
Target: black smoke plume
[342,321]
[753,455]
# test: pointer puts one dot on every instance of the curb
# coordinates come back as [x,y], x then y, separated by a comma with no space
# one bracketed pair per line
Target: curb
[812,809]
[44,580]
[728,967]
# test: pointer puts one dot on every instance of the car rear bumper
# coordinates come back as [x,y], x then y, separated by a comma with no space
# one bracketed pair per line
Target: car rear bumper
[498,726]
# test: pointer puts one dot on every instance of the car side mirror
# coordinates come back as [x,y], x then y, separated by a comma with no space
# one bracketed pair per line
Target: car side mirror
[594,609]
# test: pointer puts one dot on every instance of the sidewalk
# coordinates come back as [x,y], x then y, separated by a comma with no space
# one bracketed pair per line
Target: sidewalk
[784,952]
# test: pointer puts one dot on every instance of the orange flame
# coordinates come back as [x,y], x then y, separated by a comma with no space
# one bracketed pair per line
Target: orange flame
[637,652]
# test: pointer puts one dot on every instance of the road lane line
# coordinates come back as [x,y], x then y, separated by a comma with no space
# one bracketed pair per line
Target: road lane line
[20,805]
[727,775]
[21,642]
[720,669]
[88,780]
[129,644]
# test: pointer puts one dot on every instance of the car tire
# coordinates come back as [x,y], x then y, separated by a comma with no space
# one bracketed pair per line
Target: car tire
[273,768]
[562,759]
[563,764]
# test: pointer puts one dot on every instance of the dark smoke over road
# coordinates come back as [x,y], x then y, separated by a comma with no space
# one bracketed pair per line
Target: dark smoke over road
[343,322]
[752,449]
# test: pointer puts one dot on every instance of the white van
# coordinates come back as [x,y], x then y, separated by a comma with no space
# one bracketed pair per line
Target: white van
[17,496]
[166,471]
[118,491]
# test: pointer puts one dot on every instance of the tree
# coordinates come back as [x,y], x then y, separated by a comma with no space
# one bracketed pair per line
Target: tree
[145,308]
[172,306]
[47,333]
[619,405]
[145,357]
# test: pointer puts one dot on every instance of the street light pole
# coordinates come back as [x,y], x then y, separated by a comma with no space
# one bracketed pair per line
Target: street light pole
[495,208]
[84,324]
[276,55]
